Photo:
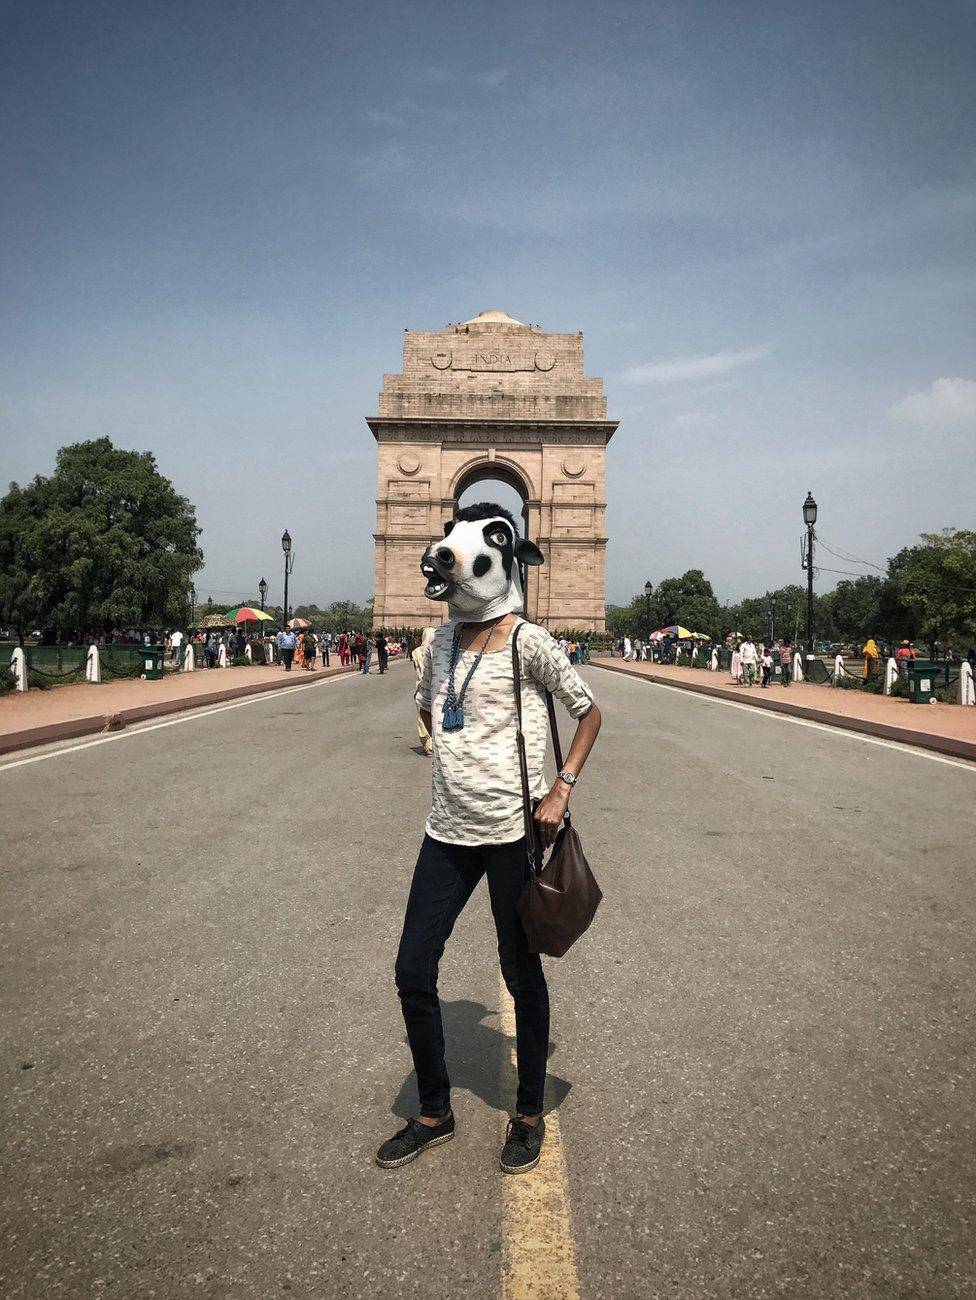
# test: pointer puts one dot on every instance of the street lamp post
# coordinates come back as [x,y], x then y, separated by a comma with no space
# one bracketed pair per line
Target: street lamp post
[772,620]
[289,565]
[648,588]
[263,589]
[193,604]
[809,518]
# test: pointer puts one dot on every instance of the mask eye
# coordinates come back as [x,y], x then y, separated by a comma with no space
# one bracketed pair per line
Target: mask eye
[498,537]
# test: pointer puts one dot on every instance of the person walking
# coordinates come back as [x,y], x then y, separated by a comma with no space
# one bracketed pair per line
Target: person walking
[786,660]
[382,654]
[737,664]
[417,659]
[308,650]
[286,647]
[475,828]
[766,663]
[872,658]
[369,645]
[749,660]
[176,644]
[343,648]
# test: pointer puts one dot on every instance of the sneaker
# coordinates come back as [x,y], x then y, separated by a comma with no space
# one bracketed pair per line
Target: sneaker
[523,1145]
[415,1137]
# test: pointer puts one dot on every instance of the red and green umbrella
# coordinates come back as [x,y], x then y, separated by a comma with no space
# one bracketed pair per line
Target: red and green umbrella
[246,614]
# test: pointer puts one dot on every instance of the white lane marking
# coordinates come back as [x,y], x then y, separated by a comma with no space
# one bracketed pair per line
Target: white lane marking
[139,730]
[538,1259]
[897,745]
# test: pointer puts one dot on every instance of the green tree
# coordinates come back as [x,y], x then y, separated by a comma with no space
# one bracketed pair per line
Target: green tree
[852,611]
[105,540]
[690,601]
[936,585]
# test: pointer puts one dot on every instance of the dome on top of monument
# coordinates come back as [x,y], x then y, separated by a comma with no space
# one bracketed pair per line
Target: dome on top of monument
[492,318]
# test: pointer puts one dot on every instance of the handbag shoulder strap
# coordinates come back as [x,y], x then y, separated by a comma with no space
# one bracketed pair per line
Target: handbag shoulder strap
[528,824]
[550,707]
[520,740]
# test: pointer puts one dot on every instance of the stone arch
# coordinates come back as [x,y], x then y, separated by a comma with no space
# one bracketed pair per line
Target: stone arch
[493,398]
[485,467]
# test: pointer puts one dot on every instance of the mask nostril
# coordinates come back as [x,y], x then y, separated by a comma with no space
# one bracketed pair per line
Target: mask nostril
[445,556]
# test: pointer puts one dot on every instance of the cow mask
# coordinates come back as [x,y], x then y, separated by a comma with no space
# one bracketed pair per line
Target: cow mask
[474,568]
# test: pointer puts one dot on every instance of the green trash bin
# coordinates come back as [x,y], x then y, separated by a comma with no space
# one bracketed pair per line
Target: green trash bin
[151,662]
[923,680]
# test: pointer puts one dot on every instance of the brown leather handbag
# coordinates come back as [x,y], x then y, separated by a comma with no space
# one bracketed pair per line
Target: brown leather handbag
[561,896]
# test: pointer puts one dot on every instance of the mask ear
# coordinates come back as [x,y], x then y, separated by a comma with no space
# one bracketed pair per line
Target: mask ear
[448,525]
[527,552]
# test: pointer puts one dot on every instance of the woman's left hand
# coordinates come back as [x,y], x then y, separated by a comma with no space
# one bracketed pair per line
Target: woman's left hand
[550,812]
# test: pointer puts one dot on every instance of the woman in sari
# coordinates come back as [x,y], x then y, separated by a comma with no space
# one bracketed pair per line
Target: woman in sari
[872,657]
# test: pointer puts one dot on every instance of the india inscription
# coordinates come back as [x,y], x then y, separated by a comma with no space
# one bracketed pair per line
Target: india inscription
[493,398]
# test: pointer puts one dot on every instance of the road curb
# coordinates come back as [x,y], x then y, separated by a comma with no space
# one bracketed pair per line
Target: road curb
[949,745]
[72,728]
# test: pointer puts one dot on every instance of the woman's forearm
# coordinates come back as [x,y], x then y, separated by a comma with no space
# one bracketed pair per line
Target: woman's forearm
[587,730]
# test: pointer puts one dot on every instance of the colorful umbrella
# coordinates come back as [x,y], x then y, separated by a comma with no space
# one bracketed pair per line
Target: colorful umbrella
[677,630]
[298,623]
[246,614]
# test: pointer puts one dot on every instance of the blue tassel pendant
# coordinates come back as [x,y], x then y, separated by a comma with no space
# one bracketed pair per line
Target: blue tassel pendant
[453,719]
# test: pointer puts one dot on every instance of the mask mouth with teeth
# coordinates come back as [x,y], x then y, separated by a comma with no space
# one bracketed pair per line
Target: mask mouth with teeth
[475,567]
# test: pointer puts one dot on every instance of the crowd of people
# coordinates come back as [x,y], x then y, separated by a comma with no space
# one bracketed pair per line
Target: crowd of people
[753,662]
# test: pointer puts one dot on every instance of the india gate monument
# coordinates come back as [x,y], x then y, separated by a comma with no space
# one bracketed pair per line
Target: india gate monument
[492,398]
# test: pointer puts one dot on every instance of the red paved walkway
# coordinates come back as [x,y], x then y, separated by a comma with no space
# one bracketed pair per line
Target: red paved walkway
[928,725]
[38,717]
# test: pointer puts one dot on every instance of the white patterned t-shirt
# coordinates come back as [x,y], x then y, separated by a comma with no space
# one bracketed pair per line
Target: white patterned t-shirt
[476,788]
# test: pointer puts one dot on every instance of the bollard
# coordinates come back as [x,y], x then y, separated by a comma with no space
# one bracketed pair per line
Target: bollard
[247,653]
[891,675]
[838,667]
[93,665]
[222,656]
[18,666]
[967,691]
[189,662]
[713,664]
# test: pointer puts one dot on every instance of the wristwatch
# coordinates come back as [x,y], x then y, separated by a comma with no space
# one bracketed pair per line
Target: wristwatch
[569,777]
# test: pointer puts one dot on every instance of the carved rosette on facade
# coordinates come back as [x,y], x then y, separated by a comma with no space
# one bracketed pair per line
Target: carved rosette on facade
[493,398]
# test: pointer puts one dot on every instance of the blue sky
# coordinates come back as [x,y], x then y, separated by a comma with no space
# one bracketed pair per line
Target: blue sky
[218,218]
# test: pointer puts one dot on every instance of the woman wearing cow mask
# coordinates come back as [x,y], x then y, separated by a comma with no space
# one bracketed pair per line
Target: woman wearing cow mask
[466,696]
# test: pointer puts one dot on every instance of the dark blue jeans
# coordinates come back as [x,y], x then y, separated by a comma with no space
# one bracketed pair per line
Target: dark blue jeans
[443,880]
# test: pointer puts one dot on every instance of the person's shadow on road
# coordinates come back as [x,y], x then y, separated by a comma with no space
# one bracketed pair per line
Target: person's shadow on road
[479,1060]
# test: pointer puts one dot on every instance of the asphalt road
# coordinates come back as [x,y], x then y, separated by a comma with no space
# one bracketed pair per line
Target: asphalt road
[762,1053]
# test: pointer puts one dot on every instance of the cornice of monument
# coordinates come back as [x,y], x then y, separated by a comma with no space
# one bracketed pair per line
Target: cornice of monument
[435,429]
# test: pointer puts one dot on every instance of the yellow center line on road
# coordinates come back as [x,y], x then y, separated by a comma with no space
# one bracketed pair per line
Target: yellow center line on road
[538,1257]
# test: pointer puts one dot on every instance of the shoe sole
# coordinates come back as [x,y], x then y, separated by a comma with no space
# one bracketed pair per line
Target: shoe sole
[405,1160]
[520,1169]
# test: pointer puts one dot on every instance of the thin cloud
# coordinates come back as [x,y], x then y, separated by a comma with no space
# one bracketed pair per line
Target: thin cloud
[683,369]
[492,79]
[381,165]
[946,404]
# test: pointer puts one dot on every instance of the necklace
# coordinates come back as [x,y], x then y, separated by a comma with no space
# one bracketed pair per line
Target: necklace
[454,699]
